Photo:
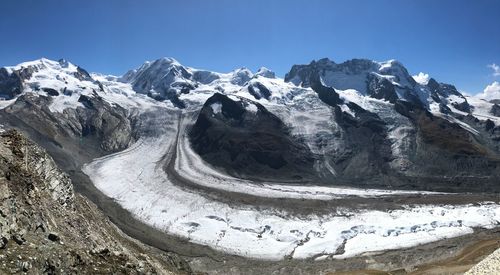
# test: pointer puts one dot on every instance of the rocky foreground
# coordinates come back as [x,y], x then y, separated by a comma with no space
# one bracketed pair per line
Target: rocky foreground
[46,228]
[490,265]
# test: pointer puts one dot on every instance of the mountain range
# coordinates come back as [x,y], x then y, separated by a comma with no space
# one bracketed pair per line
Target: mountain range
[358,123]
[359,164]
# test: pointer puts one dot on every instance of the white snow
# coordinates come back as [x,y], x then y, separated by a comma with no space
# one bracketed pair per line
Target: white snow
[251,108]
[59,76]
[6,103]
[60,103]
[422,78]
[216,107]
[140,185]
[481,109]
[122,94]
[265,72]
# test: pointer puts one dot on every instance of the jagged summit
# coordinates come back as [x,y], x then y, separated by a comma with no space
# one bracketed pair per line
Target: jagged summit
[166,79]
[350,74]
[45,64]
[388,80]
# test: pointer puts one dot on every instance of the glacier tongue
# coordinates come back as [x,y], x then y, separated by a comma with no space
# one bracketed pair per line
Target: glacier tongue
[142,187]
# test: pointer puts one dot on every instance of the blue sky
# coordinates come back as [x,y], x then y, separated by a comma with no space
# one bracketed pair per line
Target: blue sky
[453,41]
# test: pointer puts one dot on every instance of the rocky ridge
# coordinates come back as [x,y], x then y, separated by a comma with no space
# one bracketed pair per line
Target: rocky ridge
[46,228]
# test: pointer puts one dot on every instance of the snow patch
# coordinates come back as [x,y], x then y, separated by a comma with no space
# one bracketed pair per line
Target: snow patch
[61,102]
[216,107]
[422,78]
[251,108]
[4,103]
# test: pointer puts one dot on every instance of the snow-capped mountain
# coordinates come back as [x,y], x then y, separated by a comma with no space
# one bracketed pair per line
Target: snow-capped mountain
[357,122]
[383,80]
[259,166]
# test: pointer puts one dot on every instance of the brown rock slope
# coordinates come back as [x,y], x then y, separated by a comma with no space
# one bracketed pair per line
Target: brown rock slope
[46,228]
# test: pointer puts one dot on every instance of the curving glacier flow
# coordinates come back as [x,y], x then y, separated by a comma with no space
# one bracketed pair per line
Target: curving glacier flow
[136,179]
[351,121]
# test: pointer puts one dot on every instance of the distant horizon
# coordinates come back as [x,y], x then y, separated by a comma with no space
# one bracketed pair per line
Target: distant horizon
[452,41]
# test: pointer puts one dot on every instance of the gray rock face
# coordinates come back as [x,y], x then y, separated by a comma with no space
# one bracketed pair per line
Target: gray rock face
[440,91]
[245,139]
[495,110]
[258,90]
[327,94]
[301,74]
[10,84]
[381,88]
[367,151]
[102,126]
[449,157]
[109,124]
[41,165]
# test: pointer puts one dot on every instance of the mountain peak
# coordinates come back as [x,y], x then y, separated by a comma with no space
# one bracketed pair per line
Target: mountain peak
[45,63]
[265,72]
[241,76]
[167,60]
[324,60]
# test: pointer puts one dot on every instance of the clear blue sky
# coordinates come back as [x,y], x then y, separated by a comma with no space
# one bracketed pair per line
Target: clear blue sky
[453,41]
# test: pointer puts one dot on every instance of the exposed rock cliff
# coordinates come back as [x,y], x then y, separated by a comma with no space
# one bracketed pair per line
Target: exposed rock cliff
[46,228]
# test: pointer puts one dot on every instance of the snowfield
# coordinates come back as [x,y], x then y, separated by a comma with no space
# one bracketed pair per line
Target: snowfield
[136,179]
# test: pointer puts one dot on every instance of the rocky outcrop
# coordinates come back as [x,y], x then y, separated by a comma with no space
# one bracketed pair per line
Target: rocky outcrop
[381,88]
[101,126]
[367,151]
[46,228]
[245,139]
[325,93]
[258,90]
[446,156]
[302,74]
[495,110]
[490,265]
[109,124]
[10,84]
